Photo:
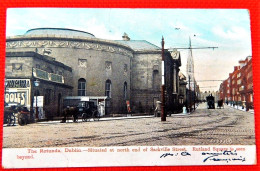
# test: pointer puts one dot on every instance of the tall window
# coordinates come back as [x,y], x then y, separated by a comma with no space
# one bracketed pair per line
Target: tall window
[156,80]
[82,87]
[108,89]
[125,90]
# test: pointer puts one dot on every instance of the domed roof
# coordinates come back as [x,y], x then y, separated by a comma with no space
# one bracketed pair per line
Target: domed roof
[59,31]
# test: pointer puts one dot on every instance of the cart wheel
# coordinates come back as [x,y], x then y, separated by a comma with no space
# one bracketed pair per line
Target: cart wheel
[11,120]
[21,120]
[84,117]
[96,116]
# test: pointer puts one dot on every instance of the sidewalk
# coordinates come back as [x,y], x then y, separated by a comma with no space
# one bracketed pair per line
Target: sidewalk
[240,108]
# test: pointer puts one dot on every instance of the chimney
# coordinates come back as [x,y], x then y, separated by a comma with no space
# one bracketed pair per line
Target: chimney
[125,37]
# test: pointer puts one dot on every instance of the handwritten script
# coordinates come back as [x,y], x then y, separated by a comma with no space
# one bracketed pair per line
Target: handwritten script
[227,156]
[175,154]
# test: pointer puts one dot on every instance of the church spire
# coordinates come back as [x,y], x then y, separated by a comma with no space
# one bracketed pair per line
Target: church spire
[190,66]
[190,46]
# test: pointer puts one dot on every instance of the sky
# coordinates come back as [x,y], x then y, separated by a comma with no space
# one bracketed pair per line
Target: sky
[227,29]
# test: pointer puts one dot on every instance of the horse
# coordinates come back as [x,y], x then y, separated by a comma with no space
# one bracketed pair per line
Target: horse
[70,111]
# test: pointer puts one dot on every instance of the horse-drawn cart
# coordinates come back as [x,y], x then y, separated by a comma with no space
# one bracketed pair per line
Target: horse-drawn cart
[220,104]
[88,110]
[80,109]
[210,102]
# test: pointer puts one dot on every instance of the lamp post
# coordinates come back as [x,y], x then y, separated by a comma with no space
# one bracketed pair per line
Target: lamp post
[36,84]
[163,115]
[189,95]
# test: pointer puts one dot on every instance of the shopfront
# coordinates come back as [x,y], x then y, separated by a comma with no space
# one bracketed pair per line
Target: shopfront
[17,92]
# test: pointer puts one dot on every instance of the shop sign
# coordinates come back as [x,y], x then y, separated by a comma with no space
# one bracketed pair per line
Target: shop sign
[18,98]
[18,83]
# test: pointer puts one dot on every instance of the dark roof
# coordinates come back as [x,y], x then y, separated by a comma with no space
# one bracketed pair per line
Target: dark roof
[139,44]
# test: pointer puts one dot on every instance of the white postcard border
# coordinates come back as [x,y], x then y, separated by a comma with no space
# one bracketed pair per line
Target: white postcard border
[129,156]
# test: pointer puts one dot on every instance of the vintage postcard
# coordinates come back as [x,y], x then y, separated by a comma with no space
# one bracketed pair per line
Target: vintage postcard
[89,87]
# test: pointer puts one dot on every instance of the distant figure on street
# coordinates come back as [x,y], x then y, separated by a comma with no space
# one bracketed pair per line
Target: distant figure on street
[128,106]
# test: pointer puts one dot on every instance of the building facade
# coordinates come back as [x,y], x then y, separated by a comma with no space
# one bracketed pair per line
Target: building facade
[237,89]
[122,70]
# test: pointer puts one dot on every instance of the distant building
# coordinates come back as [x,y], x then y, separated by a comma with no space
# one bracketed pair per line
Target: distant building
[182,89]
[237,89]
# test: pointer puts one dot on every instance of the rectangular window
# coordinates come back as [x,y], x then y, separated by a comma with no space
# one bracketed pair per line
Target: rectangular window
[108,89]
[81,88]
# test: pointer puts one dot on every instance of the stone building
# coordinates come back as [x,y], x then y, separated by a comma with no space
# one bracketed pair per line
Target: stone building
[173,80]
[23,68]
[122,70]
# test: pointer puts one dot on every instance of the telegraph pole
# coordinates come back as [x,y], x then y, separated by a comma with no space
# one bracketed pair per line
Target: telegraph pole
[163,116]
[189,95]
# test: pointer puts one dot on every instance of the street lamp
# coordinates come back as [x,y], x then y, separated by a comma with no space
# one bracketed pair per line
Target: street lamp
[36,84]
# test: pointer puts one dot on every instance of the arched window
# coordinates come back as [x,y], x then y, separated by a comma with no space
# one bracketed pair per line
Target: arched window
[125,90]
[108,88]
[82,87]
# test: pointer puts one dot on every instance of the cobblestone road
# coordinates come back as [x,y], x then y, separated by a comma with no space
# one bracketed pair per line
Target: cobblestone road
[203,127]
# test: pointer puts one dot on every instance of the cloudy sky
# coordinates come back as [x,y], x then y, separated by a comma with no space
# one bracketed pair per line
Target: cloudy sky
[227,29]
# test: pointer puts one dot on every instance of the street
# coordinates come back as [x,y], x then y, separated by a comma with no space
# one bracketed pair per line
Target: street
[226,126]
